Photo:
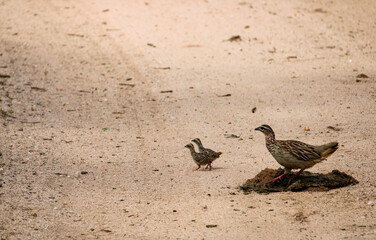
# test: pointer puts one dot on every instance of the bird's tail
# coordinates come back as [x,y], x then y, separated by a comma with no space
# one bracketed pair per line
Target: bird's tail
[216,156]
[328,149]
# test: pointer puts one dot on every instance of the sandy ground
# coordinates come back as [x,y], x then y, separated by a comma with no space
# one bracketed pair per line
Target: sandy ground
[91,148]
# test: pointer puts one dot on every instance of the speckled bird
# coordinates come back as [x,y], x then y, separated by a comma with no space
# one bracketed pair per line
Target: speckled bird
[213,155]
[295,154]
[199,158]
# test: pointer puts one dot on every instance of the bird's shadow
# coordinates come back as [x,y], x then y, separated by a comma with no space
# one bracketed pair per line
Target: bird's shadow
[306,181]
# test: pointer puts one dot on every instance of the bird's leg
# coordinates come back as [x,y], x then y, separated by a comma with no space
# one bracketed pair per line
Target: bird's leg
[297,174]
[210,167]
[275,179]
[198,167]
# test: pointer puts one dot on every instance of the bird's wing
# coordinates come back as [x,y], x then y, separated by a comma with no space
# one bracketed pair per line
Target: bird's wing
[301,150]
[212,153]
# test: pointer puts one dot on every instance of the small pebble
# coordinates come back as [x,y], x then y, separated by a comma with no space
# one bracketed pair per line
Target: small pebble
[371,203]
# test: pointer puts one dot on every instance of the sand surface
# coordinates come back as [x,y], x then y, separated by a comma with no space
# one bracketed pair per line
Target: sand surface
[99,98]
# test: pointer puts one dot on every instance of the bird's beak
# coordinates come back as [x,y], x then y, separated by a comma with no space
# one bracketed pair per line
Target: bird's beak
[257,129]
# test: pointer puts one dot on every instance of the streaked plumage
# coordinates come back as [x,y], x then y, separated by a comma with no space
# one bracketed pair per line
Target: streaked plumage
[213,155]
[295,154]
[199,158]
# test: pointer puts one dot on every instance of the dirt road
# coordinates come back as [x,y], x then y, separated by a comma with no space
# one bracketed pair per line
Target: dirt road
[98,99]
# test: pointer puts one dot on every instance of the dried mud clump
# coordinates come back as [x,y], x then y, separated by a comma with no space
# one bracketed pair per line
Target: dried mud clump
[306,181]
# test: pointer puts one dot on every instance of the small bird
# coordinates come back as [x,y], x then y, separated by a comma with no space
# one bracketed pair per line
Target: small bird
[295,154]
[199,158]
[213,155]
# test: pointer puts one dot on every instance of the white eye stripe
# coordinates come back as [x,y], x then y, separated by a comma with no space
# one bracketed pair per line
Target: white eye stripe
[266,127]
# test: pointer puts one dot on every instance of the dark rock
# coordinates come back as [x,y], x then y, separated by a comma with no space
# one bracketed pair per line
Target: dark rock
[334,128]
[306,181]
[235,38]
[254,110]
[4,75]
[362,75]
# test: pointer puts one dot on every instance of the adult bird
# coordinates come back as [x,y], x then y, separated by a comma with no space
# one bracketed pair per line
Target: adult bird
[294,154]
